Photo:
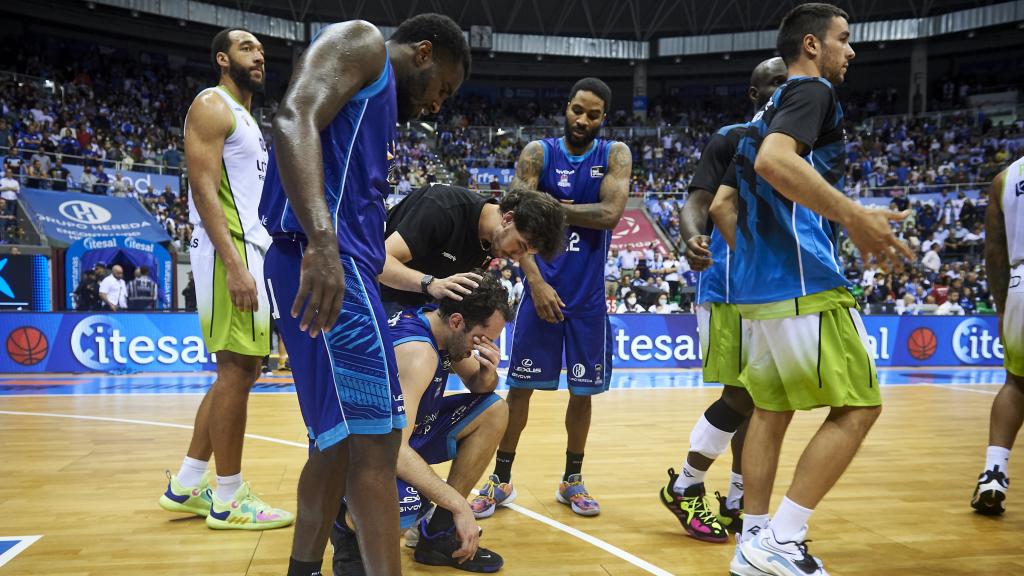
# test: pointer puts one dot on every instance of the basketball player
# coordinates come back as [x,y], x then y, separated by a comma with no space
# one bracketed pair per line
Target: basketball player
[807,342]
[719,330]
[333,164]
[431,342]
[564,305]
[1004,262]
[227,161]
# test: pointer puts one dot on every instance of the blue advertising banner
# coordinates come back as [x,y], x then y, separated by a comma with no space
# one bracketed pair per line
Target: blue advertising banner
[140,181]
[85,253]
[82,342]
[70,216]
[483,176]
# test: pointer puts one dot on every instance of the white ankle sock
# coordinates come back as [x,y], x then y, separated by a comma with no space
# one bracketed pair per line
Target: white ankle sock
[997,456]
[735,491]
[688,477]
[752,525]
[789,520]
[191,472]
[227,486]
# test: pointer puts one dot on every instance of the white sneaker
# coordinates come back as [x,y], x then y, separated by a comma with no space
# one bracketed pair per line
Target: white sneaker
[767,554]
[740,567]
[412,536]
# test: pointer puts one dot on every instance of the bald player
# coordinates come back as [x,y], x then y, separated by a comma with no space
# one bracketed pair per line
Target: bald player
[720,336]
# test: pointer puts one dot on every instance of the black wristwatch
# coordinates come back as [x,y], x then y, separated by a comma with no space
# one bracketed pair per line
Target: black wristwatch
[425,282]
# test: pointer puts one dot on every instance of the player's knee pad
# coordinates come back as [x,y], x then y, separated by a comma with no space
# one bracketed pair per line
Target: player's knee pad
[715,429]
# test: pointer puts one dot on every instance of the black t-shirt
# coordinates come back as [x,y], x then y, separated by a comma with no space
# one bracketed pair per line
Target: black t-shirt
[441,226]
[809,113]
[716,158]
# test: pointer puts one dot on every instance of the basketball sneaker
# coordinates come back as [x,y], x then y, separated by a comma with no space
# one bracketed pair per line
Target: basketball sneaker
[990,492]
[347,560]
[764,552]
[437,550]
[730,518]
[494,493]
[574,494]
[246,511]
[692,510]
[186,500]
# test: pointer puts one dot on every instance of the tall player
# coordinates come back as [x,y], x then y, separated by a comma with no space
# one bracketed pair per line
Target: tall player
[324,203]
[227,161]
[720,330]
[807,343]
[1004,262]
[564,306]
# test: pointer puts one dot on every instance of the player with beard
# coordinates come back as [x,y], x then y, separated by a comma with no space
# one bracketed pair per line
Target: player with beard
[227,161]
[332,168]
[564,305]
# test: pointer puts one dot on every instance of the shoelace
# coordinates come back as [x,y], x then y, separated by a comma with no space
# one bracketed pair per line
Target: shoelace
[703,511]
[583,494]
[488,491]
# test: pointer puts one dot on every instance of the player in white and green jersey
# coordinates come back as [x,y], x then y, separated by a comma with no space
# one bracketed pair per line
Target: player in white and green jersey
[1004,262]
[227,160]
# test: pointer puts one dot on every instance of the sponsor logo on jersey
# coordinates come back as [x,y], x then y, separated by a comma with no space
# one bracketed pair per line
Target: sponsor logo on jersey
[597,171]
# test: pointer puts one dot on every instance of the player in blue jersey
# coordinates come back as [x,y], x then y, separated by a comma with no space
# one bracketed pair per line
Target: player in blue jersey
[719,325]
[807,344]
[323,203]
[430,343]
[564,306]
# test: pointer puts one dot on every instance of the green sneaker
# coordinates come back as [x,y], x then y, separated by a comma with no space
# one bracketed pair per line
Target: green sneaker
[246,512]
[178,498]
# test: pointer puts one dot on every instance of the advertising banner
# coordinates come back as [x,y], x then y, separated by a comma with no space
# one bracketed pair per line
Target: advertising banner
[140,181]
[484,176]
[635,231]
[69,216]
[25,282]
[82,255]
[82,342]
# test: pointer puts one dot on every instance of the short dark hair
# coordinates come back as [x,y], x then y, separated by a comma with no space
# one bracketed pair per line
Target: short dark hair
[442,32]
[480,304]
[598,87]
[222,43]
[812,18]
[144,270]
[539,218]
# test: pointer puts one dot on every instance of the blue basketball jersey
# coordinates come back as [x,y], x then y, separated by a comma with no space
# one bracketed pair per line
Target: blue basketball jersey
[578,273]
[412,326]
[785,250]
[715,283]
[358,155]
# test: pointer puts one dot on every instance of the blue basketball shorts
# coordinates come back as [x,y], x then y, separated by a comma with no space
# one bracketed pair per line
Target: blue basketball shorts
[435,440]
[346,379]
[538,348]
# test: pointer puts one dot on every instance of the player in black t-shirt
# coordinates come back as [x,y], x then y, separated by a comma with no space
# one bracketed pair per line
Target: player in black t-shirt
[439,233]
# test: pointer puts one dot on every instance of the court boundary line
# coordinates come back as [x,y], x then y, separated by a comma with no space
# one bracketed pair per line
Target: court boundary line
[23,542]
[961,388]
[579,534]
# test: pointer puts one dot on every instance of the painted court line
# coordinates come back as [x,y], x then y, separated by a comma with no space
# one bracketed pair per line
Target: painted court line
[613,550]
[23,542]
[963,389]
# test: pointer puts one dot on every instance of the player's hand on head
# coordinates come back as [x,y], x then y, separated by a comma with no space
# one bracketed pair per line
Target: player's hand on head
[455,286]
[871,233]
[468,533]
[697,254]
[321,290]
[242,289]
[547,303]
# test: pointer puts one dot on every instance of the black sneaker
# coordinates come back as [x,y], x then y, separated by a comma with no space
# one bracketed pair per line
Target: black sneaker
[730,518]
[347,561]
[437,550]
[990,492]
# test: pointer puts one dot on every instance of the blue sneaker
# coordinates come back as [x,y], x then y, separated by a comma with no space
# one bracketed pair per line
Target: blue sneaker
[767,554]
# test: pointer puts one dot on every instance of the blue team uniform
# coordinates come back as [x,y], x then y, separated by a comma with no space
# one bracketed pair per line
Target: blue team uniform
[784,251]
[346,380]
[578,277]
[715,283]
[439,418]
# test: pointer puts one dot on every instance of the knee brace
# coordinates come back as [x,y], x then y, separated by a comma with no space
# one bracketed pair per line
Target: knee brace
[715,429]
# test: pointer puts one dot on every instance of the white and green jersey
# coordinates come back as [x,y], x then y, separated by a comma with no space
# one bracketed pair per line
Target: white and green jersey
[243,168]
[1012,203]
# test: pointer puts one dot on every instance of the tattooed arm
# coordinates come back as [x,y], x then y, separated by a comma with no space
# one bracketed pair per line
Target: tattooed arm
[529,166]
[605,214]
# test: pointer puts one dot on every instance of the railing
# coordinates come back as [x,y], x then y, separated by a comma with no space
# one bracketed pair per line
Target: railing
[943,118]
[72,159]
[878,192]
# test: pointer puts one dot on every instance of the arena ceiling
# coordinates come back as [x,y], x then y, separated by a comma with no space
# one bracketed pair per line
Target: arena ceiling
[622,19]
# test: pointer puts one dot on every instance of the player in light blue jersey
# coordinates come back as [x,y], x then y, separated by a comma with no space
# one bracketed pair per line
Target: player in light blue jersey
[563,312]
[323,202]
[719,326]
[807,344]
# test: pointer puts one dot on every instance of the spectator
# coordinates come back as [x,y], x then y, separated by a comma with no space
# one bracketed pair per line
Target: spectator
[951,306]
[88,181]
[506,281]
[102,184]
[87,293]
[931,261]
[189,293]
[142,290]
[663,306]
[59,177]
[9,189]
[119,189]
[629,304]
[113,290]
[36,176]
[627,261]
[611,276]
